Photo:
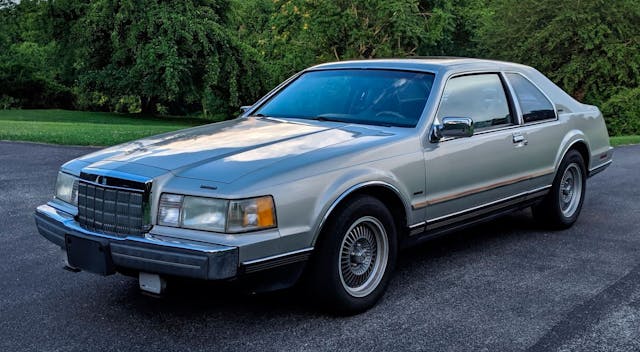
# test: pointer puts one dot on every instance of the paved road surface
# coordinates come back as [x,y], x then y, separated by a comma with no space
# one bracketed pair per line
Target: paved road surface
[507,285]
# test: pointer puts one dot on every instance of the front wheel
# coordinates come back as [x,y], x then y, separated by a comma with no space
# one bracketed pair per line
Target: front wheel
[561,207]
[354,257]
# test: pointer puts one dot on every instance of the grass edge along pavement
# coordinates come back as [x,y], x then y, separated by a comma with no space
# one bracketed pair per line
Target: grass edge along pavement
[85,128]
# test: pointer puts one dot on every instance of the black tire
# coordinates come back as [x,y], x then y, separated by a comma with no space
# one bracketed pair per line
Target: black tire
[554,211]
[326,283]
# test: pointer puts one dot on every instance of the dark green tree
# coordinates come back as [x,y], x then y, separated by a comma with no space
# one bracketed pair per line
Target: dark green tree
[29,70]
[589,47]
[300,33]
[174,56]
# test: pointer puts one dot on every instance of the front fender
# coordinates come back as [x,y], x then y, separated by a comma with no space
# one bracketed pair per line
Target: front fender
[351,182]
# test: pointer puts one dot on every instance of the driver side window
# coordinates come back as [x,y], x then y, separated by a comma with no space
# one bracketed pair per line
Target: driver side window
[480,97]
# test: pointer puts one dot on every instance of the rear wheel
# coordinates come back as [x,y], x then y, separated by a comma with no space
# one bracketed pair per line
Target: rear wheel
[562,206]
[354,257]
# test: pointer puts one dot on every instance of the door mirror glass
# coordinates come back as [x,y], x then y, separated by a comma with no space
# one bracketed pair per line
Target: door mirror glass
[453,127]
[245,108]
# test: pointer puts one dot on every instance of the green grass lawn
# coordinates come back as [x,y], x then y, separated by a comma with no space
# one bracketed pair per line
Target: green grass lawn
[84,128]
[624,140]
[104,129]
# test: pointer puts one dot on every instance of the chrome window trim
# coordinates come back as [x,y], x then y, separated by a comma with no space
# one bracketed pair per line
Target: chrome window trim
[472,73]
[510,127]
[515,96]
[257,105]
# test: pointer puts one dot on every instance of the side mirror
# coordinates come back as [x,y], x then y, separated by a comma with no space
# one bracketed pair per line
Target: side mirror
[245,108]
[452,127]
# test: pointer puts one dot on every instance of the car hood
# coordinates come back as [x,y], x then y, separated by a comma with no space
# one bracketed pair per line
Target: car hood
[222,152]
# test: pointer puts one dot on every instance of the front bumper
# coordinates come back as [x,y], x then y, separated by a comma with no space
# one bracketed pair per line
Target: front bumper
[149,253]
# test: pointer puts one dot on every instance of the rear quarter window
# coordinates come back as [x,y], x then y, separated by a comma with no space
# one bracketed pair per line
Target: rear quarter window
[534,104]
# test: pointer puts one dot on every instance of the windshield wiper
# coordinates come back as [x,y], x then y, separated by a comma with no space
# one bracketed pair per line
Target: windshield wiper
[330,119]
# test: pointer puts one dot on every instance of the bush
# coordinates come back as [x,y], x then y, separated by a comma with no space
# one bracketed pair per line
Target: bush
[130,104]
[91,100]
[622,112]
[7,102]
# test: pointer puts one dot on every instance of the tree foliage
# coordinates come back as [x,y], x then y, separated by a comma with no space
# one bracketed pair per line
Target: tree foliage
[299,33]
[29,75]
[622,112]
[210,56]
[172,55]
[589,47]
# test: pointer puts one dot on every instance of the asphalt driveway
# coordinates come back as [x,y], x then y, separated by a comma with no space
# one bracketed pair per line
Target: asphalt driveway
[504,286]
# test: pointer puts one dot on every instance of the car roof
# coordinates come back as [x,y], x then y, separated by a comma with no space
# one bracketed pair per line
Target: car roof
[436,64]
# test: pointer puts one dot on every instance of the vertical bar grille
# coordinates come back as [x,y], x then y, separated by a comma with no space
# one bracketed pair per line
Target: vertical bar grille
[110,209]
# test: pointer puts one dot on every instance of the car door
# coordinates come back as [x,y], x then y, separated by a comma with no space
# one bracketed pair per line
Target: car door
[467,176]
[540,128]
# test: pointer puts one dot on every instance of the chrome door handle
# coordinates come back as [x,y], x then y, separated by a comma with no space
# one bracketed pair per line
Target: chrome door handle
[518,138]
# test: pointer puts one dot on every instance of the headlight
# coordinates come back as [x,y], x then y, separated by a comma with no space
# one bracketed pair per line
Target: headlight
[218,215]
[67,188]
[207,214]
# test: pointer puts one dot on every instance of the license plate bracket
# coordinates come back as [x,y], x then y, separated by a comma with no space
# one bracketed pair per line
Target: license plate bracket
[90,255]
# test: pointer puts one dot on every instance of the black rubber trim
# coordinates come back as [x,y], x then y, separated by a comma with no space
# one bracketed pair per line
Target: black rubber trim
[158,260]
[599,169]
[276,262]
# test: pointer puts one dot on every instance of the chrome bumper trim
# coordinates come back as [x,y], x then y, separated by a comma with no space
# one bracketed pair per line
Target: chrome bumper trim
[69,222]
[145,254]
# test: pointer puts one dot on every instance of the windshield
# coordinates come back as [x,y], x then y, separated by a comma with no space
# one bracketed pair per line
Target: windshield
[375,97]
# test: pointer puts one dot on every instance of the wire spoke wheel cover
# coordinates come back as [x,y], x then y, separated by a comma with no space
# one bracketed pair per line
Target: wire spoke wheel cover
[363,256]
[570,190]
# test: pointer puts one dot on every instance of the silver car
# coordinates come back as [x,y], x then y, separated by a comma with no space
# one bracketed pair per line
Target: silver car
[329,175]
